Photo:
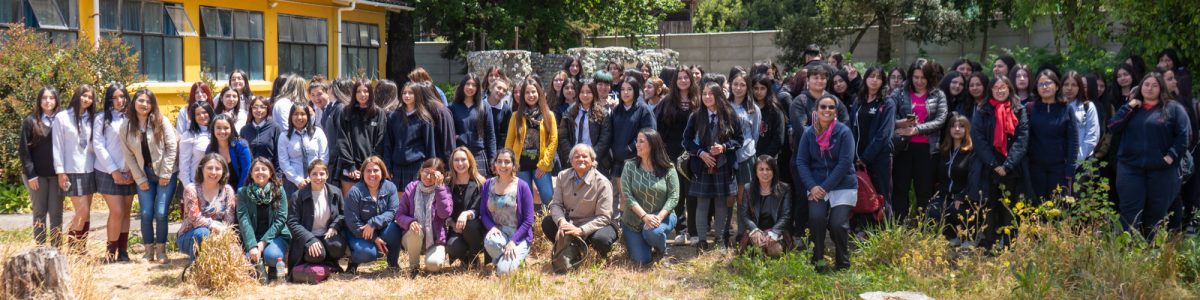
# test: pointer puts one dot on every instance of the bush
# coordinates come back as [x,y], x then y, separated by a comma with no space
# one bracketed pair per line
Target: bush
[1081,58]
[13,199]
[28,61]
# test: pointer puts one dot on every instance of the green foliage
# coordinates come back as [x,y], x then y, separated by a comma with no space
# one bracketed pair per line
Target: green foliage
[825,22]
[769,14]
[28,61]
[1151,26]
[13,199]
[717,16]
[1078,57]
[798,30]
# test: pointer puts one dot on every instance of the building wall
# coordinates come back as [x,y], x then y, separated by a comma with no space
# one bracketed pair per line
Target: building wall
[168,92]
[429,56]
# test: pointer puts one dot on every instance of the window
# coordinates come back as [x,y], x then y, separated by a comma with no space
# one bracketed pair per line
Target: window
[360,49]
[231,40]
[303,46]
[150,29]
[59,19]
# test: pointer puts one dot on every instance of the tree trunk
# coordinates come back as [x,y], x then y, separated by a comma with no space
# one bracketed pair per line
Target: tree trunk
[401,47]
[38,273]
[861,32]
[885,39]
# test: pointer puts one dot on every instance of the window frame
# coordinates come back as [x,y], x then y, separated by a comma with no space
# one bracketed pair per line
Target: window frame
[356,46]
[229,38]
[167,35]
[289,44]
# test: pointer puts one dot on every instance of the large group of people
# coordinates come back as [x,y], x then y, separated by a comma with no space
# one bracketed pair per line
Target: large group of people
[326,170]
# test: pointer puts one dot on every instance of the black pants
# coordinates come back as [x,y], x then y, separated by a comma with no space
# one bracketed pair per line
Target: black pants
[913,169]
[685,209]
[465,246]
[996,215]
[799,203]
[943,212]
[334,247]
[836,220]
[1146,196]
[602,240]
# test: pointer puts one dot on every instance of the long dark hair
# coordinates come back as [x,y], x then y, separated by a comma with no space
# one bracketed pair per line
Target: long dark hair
[983,80]
[372,108]
[276,189]
[191,113]
[927,69]
[214,145]
[40,130]
[221,108]
[567,67]
[778,188]
[1076,78]
[245,93]
[637,89]
[724,113]
[76,106]
[423,97]
[673,112]
[596,110]
[770,103]
[460,96]
[211,156]
[1164,97]
[277,86]
[291,128]
[521,108]
[107,114]
[658,152]
[153,119]
[748,103]
[865,92]
[387,95]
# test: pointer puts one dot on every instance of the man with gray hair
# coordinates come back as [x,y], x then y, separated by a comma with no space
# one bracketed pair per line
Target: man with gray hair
[581,212]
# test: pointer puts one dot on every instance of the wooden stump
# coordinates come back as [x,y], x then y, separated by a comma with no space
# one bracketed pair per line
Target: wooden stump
[38,273]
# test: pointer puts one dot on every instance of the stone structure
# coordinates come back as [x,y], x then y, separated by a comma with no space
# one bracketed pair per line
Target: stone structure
[519,63]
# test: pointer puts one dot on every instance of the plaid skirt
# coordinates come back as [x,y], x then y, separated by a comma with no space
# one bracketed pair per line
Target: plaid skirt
[106,185]
[82,184]
[721,183]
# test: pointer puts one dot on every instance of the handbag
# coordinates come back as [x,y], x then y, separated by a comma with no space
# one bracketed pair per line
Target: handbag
[681,165]
[869,201]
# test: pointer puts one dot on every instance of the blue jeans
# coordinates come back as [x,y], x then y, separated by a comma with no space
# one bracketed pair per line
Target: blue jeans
[544,184]
[364,251]
[191,238]
[640,242]
[154,203]
[273,252]
[495,244]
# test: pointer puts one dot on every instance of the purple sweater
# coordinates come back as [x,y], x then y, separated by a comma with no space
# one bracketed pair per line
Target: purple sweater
[524,231]
[443,205]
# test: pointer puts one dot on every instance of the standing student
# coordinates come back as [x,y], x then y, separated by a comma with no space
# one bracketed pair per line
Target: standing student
[419,74]
[150,154]
[240,82]
[363,127]
[773,131]
[627,119]
[764,212]
[650,191]
[293,94]
[954,85]
[1022,78]
[554,97]
[873,119]
[1002,65]
[194,142]
[1156,130]
[960,188]
[113,179]
[1002,129]
[654,92]
[1053,135]
[1087,120]
[750,116]
[825,161]
[671,117]
[573,67]
[978,92]
[465,239]
[325,113]
[896,78]
[200,92]
[923,109]
[534,132]
[604,84]
[260,133]
[299,146]
[315,221]
[37,167]
[370,216]
[582,211]
[499,105]
[73,147]
[262,210]
[506,211]
[229,103]
[209,205]
[568,97]
[409,140]
[966,67]
[473,121]
[424,208]
[713,136]
[586,123]
[225,141]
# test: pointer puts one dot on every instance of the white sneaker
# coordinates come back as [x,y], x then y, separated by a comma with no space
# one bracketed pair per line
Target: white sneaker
[680,238]
[693,240]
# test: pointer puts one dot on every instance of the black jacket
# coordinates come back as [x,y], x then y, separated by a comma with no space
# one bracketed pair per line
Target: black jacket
[960,179]
[263,141]
[880,145]
[36,160]
[757,213]
[300,214]
[598,131]
[361,137]
[983,128]
[330,126]
[774,132]
[624,125]
[465,199]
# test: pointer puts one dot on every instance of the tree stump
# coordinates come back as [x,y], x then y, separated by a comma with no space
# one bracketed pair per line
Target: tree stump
[38,273]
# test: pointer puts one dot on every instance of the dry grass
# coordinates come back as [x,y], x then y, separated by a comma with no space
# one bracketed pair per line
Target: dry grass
[81,266]
[220,266]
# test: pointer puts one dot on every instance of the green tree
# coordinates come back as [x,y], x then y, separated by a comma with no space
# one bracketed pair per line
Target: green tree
[769,14]
[928,21]
[718,16]
[629,18]
[1150,27]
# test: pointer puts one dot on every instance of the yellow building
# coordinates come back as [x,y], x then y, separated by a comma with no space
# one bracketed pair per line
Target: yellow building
[176,40]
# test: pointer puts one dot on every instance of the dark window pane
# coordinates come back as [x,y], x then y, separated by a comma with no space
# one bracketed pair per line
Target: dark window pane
[224,52]
[135,45]
[297,60]
[364,35]
[322,65]
[47,14]
[322,32]
[310,53]
[152,17]
[180,21]
[314,31]
[256,26]
[373,62]
[131,16]
[226,17]
[241,25]
[109,18]
[173,59]
[285,29]
[10,11]
[152,45]
[256,60]
[70,12]
[350,32]
[211,21]
[298,30]
[241,58]
[374,36]
[208,54]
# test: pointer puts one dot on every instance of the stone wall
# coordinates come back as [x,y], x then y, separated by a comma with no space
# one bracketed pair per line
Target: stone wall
[519,63]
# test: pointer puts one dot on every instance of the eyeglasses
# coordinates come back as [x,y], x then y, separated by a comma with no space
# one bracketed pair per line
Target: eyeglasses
[1045,84]
[827,107]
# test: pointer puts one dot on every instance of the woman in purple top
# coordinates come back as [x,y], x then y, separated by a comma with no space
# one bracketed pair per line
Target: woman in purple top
[506,209]
[422,215]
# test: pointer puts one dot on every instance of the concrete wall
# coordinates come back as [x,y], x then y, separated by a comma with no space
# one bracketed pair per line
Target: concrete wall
[429,56]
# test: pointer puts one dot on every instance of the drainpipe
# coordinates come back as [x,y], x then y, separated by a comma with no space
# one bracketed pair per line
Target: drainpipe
[337,43]
[96,23]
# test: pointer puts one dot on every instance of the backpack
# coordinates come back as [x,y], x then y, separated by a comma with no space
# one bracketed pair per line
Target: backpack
[311,273]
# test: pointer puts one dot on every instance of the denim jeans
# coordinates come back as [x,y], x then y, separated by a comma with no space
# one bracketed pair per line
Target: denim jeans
[364,251]
[640,242]
[495,244]
[154,203]
[188,240]
[273,252]
[544,184]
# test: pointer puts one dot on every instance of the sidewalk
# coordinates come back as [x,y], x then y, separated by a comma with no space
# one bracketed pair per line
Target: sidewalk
[99,223]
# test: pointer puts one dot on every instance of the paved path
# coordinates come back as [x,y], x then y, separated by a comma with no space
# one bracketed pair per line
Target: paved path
[99,223]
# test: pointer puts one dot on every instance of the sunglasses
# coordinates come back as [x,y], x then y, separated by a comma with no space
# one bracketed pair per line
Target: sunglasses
[828,107]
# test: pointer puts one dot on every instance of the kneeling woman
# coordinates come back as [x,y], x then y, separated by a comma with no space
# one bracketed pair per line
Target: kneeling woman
[208,205]
[766,210]
[370,216]
[314,217]
[262,214]
[506,210]
[825,162]
[651,190]
[422,215]
[465,240]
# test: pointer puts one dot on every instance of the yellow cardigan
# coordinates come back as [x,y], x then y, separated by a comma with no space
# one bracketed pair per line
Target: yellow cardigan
[548,140]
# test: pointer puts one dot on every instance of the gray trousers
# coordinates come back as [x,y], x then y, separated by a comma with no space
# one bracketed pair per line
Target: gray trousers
[47,201]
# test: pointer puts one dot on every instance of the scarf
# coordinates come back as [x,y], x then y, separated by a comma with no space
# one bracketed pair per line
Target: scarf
[260,195]
[533,115]
[824,137]
[423,210]
[1148,106]
[1006,125]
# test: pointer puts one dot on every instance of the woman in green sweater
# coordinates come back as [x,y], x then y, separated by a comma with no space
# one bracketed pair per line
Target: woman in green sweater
[262,216]
[651,189]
